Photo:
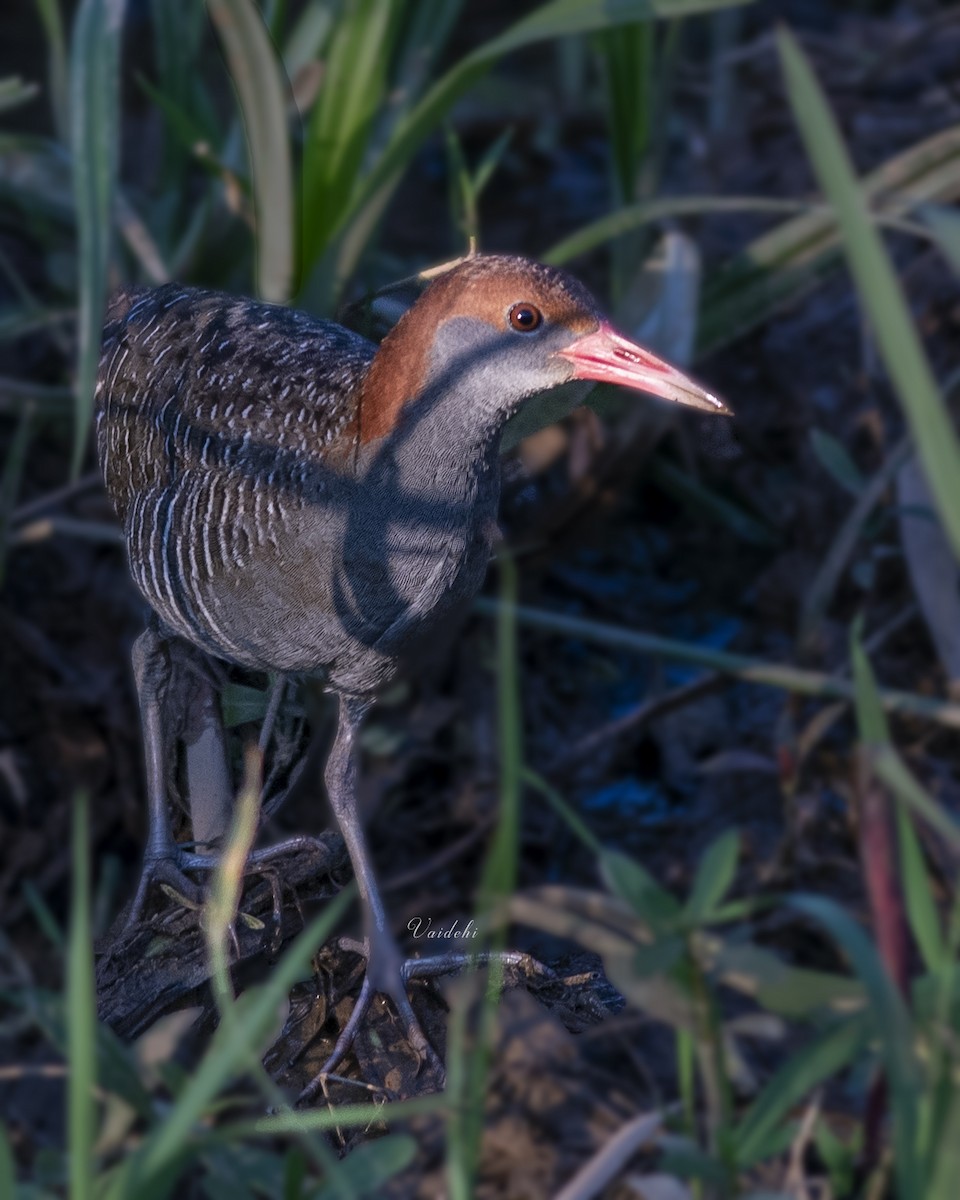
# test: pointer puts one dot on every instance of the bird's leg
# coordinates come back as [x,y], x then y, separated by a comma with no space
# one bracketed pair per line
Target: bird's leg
[209,786]
[209,789]
[386,971]
[162,859]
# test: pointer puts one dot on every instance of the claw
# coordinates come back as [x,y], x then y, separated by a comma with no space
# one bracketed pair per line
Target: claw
[386,975]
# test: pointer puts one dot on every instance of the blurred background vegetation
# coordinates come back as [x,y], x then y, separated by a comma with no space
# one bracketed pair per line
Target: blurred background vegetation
[684,665]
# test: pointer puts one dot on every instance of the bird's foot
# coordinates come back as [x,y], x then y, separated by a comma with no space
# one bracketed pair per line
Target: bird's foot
[387,974]
[168,865]
[165,868]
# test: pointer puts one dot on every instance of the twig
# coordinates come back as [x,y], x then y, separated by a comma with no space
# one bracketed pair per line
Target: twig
[638,716]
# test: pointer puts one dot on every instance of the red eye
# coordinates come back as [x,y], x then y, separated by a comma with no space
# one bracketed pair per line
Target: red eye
[524,318]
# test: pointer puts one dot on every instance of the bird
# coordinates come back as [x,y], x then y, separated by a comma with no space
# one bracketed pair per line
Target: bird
[297,499]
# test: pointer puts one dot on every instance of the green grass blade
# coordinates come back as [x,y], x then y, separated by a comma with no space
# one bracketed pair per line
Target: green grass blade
[57,74]
[714,877]
[918,894]
[256,1011]
[893,1028]
[871,720]
[549,21]
[94,135]
[827,1055]
[752,670]
[946,1160]
[356,75]
[8,1174]
[884,760]
[878,287]
[628,74]
[262,90]
[945,225]
[468,1066]
[892,770]
[785,263]
[81,1017]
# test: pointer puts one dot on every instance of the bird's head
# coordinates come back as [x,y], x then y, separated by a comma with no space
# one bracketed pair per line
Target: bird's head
[496,329]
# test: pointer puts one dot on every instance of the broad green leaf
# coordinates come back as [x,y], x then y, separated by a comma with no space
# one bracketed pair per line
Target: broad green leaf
[659,958]
[777,986]
[714,876]
[369,1168]
[826,1056]
[635,885]
[832,455]
[94,137]
[258,76]
[945,223]
[878,287]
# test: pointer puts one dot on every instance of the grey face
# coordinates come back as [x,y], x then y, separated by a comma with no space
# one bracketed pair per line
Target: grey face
[496,369]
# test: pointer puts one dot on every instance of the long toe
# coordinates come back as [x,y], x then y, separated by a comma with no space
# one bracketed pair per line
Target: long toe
[383,1030]
[166,871]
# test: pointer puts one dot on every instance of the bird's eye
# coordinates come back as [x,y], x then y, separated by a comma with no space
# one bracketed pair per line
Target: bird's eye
[524,318]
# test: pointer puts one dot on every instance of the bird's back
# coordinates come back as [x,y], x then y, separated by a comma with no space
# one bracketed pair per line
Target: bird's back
[193,377]
[218,419]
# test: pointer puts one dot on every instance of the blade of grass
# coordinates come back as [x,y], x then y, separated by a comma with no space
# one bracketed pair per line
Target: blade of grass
[884,760]
[945,224]
[894,1031]
[789,260]
[740,666]
[829,1053]
[637,216]
[256,1011]
[467,1068]
[8,1174]
[356,75]
[820,592]
[918,894]
[94,135]
[878,287]
[262,90]
[547,22]
[81,1017]
[57,75]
